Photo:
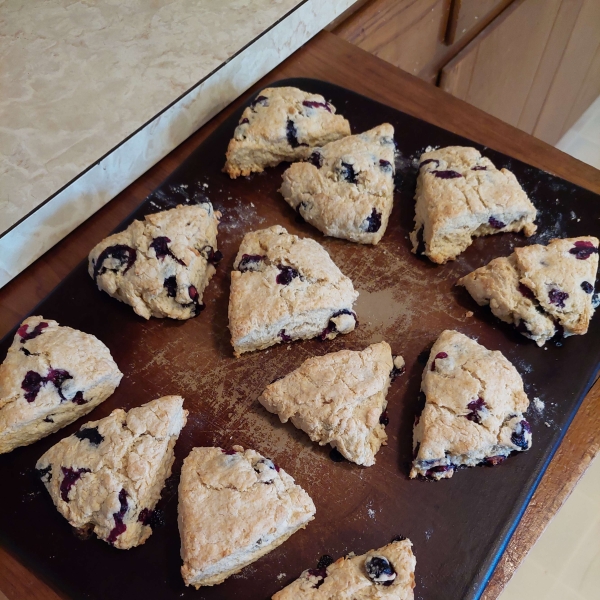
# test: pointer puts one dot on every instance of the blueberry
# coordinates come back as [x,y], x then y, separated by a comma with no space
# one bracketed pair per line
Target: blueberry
[478,168]
[496,224]
[284,336]
[119,527]
[170,283]
[373,222]
[123,254]
[380,570]
[448,174]
[583,250]
[438,355]
[316,159]
[525,291]
[386,165]
[292,134]
[557,297]
[430,160]
[475,406]
[29,335]
[250,262]
[91,434]
[518,437]
[70,478]
[384,419]
[325,561]
[286,274]
[31,384]
[347,172]
[313,104]
[45,472]
[161,249]
[262,100]
[152,518]
[587,287]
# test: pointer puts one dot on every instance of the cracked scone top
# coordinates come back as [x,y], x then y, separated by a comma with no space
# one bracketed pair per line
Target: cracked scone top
[387,573]
[160,266]
[285,288]
[234,507]
[346,190]
[282,124]
[339,399]
[109,475]
[52,375]
[538,286]
[474,405]
[460,195]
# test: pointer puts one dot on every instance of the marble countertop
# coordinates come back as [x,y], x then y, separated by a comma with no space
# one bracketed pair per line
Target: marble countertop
[97,91]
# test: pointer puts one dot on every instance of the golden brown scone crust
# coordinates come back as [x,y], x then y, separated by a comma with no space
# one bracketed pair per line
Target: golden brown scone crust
[282,124]
[461,195]
[269,304]
[346,190]
[473,411]
[163,263]
[348,578]
[338,399]
[52,375]
[109,475]
[234,507]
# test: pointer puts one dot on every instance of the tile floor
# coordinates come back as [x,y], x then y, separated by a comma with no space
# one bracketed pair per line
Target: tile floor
[565,562]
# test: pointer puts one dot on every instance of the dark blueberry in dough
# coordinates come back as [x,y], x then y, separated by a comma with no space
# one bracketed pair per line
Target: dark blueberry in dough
[316,159]
[336,456]
[478,168]
[29,335]
[313,104]
[45,474]
[583,250]
[380,570]
[250,262]
[284,336]
[58,377]
[121,253]
[286,274]
[438,355]
[119,527]
[430,160]
[395,372]
[229,452]
[518,438]
[161,249]
[439,469]
[331,327]
[384,419]
[373,222]
[32,383]
[170,283]
[318,573]
[70,478]
[448,174]
[292,134]
[48,420]
[79,399]
[91,434]
[212,257]
[525,291]
[262,100]
[347,172]
[25,351]
[398,538]
[557,297]
[475,406]
[587,287]
[496,224]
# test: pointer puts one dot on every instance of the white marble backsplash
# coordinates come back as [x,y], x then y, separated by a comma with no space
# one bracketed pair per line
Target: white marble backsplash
[78,78]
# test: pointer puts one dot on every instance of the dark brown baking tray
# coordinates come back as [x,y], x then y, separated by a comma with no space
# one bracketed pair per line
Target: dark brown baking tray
[459,527]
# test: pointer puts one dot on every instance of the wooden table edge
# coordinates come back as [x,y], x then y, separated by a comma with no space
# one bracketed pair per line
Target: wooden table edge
[332,59]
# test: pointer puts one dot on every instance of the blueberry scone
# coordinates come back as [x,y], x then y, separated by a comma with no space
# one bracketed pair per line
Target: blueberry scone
[461,195]
[234,507]
[339,399]
[346,189]
[540,289]
[286,288]
[160,266]
[385,573]
[474,405]
[52,375]
[282,123]
[109,475]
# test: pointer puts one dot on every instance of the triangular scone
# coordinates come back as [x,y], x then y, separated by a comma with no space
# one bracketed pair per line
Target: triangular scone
[385,573]
[539,287]
[109,475]
[498,285]
[52,375]
[282,123]
[286,288]
[234,507]
[473,411]
[561,276]
[161,265]
[461,195]
[346,190]
[339,399]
